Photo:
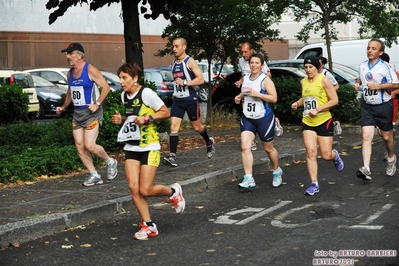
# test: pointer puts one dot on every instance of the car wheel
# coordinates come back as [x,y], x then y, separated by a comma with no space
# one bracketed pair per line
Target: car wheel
[40,113]
[203,94]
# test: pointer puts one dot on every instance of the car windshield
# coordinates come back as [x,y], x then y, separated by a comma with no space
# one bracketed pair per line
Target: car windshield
[225,69]
[111,76]
[41,82]
[347,72]
[23,80]
[166,75]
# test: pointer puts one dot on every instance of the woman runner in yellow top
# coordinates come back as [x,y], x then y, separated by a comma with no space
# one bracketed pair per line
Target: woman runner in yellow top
[318,96]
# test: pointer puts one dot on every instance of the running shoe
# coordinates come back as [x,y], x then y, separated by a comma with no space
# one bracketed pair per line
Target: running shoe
[146,231]
[339,164]
[278,129]
[364,173]
[385,156]
[210,149]
[277,177]
[247,182]
[170,160]
[93,180]
[177,198]
[313,189]
[337,128]
[253,146]
[391,168]
[112,168]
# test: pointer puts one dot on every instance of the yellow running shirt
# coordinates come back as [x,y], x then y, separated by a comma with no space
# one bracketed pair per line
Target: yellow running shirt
[314,95]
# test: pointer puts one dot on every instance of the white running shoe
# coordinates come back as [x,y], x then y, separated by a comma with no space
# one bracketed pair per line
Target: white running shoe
[277,177]
[391,168]
[210,149]
[112,168]
[253,146]
[177,198]
[278,129]
[247,182]
[146,231]
[93,180]
[170,160]
[337,128]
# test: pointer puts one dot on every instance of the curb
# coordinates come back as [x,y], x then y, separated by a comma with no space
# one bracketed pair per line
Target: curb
[27,230]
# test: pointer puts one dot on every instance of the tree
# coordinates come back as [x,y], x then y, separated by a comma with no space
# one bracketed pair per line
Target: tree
[214,30]
[375,17]
[130,16]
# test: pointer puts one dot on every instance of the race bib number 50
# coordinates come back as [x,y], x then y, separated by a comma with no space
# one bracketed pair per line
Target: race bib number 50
[309,103]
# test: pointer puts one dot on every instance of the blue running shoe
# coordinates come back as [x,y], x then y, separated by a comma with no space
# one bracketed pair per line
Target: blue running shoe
[247,182]
[277,179]
[93,180]
[313,189]
[339,164]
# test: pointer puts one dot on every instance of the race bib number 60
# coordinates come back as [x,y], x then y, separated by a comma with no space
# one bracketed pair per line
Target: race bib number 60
[77,95]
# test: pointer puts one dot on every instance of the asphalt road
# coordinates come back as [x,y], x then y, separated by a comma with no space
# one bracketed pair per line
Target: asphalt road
[351,222]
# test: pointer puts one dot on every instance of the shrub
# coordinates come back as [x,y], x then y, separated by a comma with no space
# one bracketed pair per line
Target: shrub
[14,104]
[289,91]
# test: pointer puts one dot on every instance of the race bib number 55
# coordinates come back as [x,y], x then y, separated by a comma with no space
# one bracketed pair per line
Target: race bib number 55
[129,130]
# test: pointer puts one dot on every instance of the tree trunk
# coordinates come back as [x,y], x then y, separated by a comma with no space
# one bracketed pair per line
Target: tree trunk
[131,22]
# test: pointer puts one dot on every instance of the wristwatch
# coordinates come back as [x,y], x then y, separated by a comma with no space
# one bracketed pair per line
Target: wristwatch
[185,82]
[98,103]
[150,118]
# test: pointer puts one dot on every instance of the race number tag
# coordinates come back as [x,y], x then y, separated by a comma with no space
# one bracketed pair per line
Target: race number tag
[370,96]
[180,91]
[252,108]
[77,95]
[129,130]
[310,103]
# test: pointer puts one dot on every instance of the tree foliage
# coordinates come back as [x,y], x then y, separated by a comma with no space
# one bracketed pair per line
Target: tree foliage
[216,28]
[130,16]
[376,18]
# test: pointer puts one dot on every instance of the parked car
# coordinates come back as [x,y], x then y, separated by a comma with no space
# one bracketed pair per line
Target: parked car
[49,95]
[224,92]
[163,80]
[168,68]
[216,69]
[202,90]
[26,82]
[343,74]
[112,80]
[58,76]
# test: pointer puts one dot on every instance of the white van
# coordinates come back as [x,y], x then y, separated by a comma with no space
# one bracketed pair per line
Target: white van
[350,53]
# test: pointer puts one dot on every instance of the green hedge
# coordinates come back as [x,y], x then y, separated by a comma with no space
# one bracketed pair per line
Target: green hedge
[14,104]
[33,148]
[289,91]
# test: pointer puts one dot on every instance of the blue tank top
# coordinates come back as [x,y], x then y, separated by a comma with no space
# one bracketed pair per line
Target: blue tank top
[83,90]
[180,70]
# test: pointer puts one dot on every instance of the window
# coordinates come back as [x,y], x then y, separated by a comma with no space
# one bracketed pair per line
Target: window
[315,51]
